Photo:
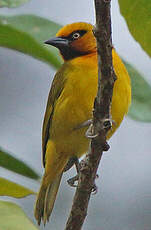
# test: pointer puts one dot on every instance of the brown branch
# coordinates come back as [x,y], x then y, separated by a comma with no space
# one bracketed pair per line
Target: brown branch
[101,116]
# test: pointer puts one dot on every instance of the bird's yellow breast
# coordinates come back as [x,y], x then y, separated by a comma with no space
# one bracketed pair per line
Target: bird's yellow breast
[75,104]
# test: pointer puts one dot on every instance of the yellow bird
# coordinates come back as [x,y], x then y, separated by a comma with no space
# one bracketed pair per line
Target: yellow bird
[70,104]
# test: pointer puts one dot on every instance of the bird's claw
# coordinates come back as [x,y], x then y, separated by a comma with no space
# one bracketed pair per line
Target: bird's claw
[72,181]
[94,189]
[90,132]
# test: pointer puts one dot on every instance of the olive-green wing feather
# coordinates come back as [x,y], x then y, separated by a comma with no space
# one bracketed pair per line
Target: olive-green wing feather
[55,91]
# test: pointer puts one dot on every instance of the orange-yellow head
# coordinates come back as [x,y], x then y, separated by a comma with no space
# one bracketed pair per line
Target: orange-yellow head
[74,40]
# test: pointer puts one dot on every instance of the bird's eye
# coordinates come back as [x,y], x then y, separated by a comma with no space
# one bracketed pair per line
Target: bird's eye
[75,36]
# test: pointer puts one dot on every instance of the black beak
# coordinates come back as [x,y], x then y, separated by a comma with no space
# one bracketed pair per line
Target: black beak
[58,42]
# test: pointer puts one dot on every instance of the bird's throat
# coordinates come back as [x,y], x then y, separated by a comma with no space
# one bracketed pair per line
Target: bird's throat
[69,53]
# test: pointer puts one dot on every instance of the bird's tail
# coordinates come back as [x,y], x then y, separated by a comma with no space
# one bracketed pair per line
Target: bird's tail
[46,199]
[55,163]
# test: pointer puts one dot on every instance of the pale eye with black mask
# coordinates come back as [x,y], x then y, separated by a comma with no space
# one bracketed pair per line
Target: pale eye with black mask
[76,36]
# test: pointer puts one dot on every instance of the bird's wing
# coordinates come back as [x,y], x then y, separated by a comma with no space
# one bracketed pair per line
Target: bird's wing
[55,91]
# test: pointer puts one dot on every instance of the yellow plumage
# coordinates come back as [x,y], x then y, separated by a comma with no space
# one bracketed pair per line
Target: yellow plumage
[70,104]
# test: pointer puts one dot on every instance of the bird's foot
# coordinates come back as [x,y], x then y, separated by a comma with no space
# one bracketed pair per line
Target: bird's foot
[94,189]
[84,124]
[90,132]
[73,160]
[72,181]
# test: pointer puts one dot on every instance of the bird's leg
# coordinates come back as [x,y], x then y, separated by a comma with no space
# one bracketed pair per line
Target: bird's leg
[90,132]
[72,180]
[84,124]
[70,163]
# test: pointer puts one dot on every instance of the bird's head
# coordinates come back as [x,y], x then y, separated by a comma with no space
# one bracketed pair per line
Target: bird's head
[74,40]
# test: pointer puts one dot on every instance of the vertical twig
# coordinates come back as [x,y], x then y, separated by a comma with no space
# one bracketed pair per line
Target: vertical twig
[101,116]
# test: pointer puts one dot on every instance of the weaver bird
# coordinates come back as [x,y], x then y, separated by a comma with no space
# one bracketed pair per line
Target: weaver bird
[70,104]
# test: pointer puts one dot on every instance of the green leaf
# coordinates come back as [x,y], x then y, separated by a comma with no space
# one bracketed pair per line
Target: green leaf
[11,163]
[140,109]
[9,188]
[27,33]
[12,217]
[137,14]
[12,3]
[40,28]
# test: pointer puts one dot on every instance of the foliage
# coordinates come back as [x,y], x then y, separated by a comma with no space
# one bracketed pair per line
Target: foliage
[12,3]
[17,219]
[141,96]
[11,163]
[26,34]
[137,14]
[9,188]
